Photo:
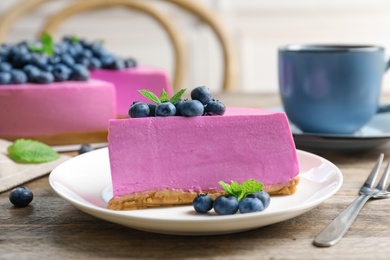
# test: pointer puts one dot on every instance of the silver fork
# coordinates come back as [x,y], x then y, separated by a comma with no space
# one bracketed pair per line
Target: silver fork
[340,225]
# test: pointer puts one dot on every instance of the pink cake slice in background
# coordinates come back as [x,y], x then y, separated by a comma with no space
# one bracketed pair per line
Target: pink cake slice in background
[56,113]
[161,161]
[128,82]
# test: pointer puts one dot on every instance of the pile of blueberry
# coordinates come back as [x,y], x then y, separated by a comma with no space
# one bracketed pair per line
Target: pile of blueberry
[70,59]
[228,204]
[201,103]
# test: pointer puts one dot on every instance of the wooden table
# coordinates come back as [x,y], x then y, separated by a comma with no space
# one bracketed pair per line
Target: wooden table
[50,228]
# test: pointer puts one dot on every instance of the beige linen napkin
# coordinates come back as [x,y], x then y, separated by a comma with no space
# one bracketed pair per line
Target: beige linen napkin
[13,174]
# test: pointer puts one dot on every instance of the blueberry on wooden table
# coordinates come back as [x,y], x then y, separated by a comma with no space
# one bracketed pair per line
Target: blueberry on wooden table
[85,148]
[21,196]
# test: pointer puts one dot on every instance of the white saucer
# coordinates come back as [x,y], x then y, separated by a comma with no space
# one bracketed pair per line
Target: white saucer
[85,182]
[374,134]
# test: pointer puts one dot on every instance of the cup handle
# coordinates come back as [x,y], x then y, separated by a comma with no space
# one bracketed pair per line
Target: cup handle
[385,108]
[387,60]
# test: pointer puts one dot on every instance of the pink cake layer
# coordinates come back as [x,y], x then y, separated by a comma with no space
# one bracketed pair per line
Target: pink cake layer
[43,109]
[127,83]
[196,153]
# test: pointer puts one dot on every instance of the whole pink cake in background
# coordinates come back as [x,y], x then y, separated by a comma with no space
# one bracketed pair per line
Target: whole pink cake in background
[74,111]
[160,161]
[129,81]
[65,92]
[70,112]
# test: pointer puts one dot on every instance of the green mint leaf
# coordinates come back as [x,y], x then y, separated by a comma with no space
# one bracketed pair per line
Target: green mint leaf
[231,189]
[30,151]
[226,187]
[164,96]
[176,98]
[34,48]
[149,95]
[236,189]
[243,189]
[250,186]
[48,44]
[74,38]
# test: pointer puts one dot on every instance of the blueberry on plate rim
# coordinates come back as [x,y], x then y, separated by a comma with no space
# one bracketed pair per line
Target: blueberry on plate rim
[203,203]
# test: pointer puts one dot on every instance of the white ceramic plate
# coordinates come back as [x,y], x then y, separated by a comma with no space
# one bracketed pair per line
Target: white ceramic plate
[85,182]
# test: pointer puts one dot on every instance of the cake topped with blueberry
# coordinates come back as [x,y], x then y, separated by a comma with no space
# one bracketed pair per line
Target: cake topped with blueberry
[66,92]
[172,152]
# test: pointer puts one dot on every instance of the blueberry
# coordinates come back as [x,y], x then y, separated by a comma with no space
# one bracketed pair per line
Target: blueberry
[152,109]
[5,78]
[165,109]
[215,107]
[68,60]
[79,73]
[201,93]
[21,60]
[44,78]
[31,71]
[4,50]
[139,109]
[107,61]
[48,67]
[18,76]
[264,197]
[61,48]
[21,49]
[21,196]
[5,67]
[85,148]
[203,203]
[130,63]
[94,64]
[83,61]
[39,60]
[191,108]
[226,205]
[118,64]
[250,204]
[61,72]
[178,106]
[75,49]
[53,60]
[98,50]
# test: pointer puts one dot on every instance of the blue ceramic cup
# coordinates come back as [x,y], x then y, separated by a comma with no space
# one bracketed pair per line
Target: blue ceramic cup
[331,89]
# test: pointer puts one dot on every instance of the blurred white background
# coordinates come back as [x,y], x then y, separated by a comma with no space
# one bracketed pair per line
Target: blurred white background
[257,28]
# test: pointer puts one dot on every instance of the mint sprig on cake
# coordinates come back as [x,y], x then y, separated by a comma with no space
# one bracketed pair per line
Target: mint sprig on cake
[47,45]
